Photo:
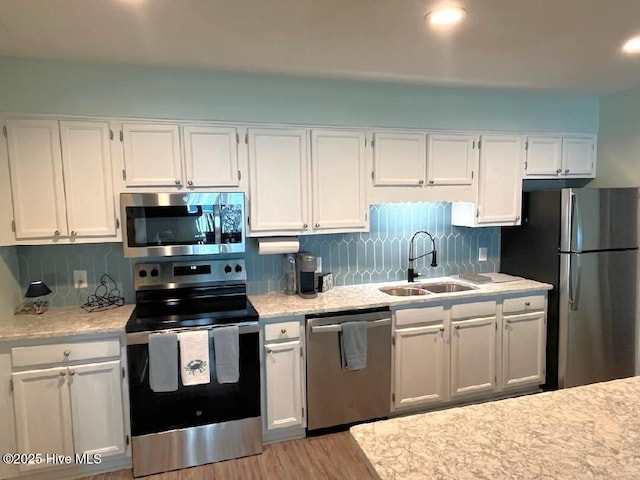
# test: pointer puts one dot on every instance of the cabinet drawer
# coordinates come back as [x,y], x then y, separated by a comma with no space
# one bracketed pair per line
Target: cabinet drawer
[281,331]
[64,352]
[475,309]
[523,304]
[414,316]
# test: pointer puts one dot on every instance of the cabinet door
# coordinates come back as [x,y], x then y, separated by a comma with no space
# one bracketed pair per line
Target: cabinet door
[399,158]
[35,163]
[211,156]
[544,156]
[152,155]
[43,413]
[419,366]
[450,159]
[523,349]
[86,157]
[96,406]
[500,179]
[283,375]
[473,356]
[578,156]
[337,159]
[279,179]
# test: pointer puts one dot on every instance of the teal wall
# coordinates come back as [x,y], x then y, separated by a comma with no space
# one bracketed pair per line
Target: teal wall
[56,87]
[619,140]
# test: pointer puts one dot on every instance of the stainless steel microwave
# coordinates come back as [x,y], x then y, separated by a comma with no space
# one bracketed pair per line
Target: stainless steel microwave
[168,224]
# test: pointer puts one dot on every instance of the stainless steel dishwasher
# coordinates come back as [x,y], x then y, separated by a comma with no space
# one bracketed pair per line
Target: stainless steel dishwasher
[336,396]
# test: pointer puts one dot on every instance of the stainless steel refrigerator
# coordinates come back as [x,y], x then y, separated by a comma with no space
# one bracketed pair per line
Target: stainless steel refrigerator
[584,242]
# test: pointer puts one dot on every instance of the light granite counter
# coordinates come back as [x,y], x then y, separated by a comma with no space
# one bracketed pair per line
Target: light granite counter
[64,321]
[277,304]
[580,433]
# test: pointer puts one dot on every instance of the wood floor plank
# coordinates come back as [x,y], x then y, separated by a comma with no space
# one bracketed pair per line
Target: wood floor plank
[335,456]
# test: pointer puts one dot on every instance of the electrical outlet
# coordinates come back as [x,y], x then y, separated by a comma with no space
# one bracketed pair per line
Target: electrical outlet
[80,278]
[319,265]
[482,254]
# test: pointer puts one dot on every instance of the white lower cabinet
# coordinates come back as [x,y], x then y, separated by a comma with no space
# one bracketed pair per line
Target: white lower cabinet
[473,356]
[69,399]
[523,349]
[283,376]
[420,362]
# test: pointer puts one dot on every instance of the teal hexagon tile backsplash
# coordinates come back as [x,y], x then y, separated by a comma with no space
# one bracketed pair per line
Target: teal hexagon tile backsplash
[379,255]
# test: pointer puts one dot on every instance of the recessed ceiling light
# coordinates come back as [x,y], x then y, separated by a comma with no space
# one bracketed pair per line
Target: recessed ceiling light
[446,16]
[632,45]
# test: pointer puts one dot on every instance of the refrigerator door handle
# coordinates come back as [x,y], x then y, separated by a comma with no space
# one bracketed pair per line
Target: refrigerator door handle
[577,218]
[574,291]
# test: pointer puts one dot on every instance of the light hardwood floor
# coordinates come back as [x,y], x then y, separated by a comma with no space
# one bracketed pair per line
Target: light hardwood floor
[333,456]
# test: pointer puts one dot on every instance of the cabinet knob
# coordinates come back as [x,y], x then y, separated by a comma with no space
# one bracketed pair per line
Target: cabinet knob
[56,233]
[527,304]
[190,183]
[67,353]
[566,171]
[432,181]
[317,225]
[72,372]
[284,330]
[178,182]
[268,350]
[442,329]
[73,233]
[517,218]
[559,171]
[62,374]
[305,225]
[421,182]
[457,327]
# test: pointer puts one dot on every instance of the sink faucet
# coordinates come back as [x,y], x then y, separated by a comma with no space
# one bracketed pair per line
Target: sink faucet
[434,262]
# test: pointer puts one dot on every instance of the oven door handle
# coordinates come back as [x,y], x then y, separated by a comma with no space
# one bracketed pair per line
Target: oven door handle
[337,327]
[142,338]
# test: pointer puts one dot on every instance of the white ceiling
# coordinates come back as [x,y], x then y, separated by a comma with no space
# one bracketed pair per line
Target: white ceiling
[566,45]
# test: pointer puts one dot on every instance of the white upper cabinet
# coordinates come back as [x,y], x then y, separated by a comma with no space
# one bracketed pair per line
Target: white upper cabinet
[561,156]
[37,186]
[499,197]
[398,158]
[211,156]
[295,188]
[544,156]
[88,183]
[337,159]
[451,159]
[279,180]
[152,155]
[578,156]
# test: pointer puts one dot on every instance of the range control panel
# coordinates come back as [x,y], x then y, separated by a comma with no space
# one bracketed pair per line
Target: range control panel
[176,274]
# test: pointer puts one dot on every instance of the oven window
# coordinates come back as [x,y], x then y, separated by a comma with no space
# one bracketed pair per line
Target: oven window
[171,225]
[193,405]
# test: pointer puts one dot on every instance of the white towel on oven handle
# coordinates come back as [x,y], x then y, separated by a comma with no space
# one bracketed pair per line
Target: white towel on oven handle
[194,357]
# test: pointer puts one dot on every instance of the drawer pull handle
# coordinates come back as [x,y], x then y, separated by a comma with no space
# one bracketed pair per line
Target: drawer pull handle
[284,330]
[527,304]
[67,353]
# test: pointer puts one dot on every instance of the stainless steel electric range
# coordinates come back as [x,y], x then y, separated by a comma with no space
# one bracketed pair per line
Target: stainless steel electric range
[194,424]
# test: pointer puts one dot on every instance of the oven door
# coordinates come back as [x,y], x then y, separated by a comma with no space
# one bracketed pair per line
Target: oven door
[169,224]
[192,406]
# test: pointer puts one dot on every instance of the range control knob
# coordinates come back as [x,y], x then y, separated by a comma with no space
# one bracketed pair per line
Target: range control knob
[142,273]
[227,269]
[238,268]
[154,272]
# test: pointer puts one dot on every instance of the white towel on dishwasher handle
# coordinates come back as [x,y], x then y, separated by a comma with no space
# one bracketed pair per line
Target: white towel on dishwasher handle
[194,357]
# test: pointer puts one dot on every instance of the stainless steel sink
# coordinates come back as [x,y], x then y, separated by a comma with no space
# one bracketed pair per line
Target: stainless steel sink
[404,291]
[445,287]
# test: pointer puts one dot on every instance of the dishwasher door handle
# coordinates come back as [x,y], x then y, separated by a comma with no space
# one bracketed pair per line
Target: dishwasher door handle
[337,327]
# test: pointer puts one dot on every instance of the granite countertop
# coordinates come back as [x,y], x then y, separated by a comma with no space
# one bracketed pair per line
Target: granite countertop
[579,433]
[278,304]
[64,321]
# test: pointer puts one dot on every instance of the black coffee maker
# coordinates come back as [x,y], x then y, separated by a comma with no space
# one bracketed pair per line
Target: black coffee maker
[306,265]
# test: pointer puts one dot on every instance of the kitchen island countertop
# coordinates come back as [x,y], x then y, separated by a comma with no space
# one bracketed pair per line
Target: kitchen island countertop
[277,304]
[589,432]
[64,321]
